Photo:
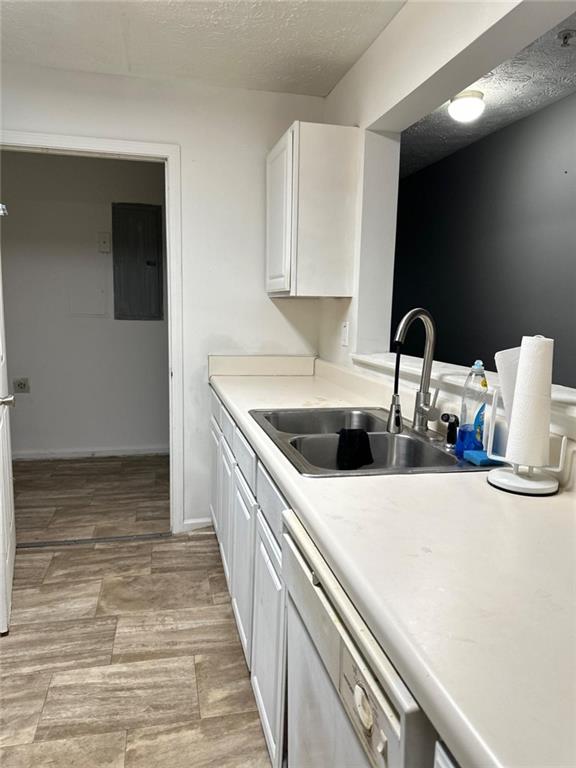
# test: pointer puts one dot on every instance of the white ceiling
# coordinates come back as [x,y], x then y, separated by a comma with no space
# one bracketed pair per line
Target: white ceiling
[292,46]
[540,74]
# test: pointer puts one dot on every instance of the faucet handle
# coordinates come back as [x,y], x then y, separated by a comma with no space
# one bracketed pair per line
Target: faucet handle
[429,411]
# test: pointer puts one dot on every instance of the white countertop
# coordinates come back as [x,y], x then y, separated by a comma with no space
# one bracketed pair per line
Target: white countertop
[470,591]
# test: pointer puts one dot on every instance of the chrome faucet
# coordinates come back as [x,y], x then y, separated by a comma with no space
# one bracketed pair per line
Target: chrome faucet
[423,410]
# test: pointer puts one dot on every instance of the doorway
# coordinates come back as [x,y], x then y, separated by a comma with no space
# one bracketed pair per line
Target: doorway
[65,485]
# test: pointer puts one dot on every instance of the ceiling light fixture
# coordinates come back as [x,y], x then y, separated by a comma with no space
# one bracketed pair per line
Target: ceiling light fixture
[466,106]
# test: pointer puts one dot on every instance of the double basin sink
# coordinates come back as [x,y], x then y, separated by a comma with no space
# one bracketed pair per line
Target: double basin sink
[309,437]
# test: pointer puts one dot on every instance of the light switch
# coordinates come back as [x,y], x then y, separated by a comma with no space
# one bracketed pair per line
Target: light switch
[104,242]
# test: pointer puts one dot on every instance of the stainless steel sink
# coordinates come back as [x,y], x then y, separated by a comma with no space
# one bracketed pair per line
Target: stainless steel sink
[389,452]
[308,437]
[318,422]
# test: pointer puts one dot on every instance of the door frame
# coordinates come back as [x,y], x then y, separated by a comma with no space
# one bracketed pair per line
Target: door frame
[169,154]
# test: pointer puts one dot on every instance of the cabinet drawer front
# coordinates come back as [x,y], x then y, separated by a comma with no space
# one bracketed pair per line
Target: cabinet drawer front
[270,500]
[216,407]
[245,458]
[228,426]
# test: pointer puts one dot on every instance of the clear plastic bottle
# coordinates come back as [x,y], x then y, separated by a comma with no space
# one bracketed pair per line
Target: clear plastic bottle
[474,399]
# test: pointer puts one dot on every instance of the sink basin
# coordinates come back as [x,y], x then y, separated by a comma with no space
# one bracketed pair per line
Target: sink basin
[308,437]
[390,452]
[308,421]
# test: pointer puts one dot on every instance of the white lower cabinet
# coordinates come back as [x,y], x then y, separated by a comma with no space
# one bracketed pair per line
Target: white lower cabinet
[215,470]
[442,758]
[243,521]
[226,521]
[268,638]
[251,557]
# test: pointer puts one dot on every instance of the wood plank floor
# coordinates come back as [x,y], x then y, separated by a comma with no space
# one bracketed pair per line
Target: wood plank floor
[125,655]
[91,498]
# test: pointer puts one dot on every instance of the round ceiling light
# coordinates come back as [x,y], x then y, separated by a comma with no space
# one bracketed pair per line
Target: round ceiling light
[466,106]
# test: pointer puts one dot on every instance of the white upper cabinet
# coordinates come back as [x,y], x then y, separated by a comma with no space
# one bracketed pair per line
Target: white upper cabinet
[312,201]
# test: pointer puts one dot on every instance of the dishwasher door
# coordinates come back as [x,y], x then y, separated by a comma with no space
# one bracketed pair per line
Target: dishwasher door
[320,734]
[361,698]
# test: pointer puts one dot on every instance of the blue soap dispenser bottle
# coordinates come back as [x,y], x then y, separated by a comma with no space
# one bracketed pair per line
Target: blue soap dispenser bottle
[474,399]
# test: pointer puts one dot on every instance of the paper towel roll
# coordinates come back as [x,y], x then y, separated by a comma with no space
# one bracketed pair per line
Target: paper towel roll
[507,367]
[529,426]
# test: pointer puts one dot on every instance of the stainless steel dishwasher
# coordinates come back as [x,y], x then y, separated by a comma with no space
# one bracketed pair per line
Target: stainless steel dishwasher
[347,705]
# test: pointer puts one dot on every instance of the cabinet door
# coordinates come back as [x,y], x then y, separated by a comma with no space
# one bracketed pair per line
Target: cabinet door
[441,757]
[226,519]
[243,514]
[215,474]
[268,640]
[279,170]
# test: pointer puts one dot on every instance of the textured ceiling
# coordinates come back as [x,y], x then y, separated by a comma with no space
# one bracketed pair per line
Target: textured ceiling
[538,75]
[292,46]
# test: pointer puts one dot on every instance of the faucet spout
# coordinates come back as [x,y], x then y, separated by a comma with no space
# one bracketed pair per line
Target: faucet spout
[423,411]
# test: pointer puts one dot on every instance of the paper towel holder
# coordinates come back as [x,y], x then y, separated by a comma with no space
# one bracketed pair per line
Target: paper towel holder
[526,481]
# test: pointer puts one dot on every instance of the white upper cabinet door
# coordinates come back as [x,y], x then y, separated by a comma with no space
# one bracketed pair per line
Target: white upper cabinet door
[313,209]
[268,639]
[279,179]
[244,516]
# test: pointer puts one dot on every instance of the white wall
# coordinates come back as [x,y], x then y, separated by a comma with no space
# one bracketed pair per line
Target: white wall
[97,384]
[430,51]
[224,135]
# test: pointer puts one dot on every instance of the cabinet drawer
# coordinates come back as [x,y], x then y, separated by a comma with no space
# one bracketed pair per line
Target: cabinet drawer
[228,426]
[270,500]
[216,407]
[245,458]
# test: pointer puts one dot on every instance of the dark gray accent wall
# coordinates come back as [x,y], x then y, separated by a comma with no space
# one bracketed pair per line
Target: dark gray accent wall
[486,240]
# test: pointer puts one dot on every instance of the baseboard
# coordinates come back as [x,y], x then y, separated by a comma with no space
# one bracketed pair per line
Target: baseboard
[82,453]
[192,525]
